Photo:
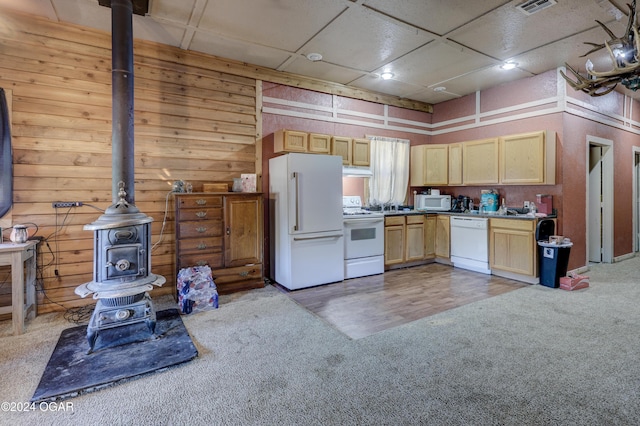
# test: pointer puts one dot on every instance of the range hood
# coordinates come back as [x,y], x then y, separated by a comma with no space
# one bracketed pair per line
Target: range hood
[348,171]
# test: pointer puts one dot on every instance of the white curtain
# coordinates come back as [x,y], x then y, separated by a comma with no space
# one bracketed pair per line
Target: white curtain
[390,167]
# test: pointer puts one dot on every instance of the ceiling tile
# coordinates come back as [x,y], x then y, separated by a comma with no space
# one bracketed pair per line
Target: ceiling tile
[285,24]
[237,50]
[176,11]
[509,32]
[362,40]
[322,70]
[435,16]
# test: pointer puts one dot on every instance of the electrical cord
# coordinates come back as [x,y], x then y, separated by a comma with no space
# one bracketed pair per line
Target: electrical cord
[164,220]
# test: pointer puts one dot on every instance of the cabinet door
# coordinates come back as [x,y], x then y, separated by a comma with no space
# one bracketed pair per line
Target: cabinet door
[443,233]
[393,244]
[417,167]
[522,158]
[512,251]
[480,162]
[455,164]
[430,237]
[361,152]
[342,146]
[319,143]
[243,230]
[290,141]
[436,161]
[415,241]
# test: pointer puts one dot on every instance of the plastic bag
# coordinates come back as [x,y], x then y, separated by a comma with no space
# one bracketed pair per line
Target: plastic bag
[196,290]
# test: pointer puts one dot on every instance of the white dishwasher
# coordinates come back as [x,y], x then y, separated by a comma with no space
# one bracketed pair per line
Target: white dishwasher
[470,243]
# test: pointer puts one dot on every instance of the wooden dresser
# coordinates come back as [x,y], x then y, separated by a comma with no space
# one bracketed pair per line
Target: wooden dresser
[224,231]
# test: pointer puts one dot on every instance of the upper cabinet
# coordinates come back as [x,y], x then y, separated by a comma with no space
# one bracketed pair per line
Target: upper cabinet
[290,141]
[480,162]
[342,146]
[354,151]
[522,159]
[429,165]
[527,158]
[455,164]
[319,143]
[361,152]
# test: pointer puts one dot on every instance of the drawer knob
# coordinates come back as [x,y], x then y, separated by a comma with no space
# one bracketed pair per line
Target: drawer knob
[244,273]
[201,202]
[201,229]
[202,246]
[202,262]
[201,214]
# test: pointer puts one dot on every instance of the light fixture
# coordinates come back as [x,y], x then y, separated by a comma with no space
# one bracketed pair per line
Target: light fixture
[624,53]
[439,89]
[314,57]
[509,65]
[387,75]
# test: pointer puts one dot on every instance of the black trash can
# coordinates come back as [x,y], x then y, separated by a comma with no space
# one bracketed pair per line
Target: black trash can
[553,261]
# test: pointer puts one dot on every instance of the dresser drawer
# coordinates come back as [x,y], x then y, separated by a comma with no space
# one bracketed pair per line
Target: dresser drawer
[200,213]
[192,229]
[239,273]
[199,200]
[214,260]
[199,245]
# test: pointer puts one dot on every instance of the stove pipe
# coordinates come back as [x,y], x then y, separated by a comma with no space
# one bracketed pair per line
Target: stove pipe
[122,89]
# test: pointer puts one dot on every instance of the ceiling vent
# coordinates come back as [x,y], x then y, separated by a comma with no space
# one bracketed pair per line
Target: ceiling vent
[533,6]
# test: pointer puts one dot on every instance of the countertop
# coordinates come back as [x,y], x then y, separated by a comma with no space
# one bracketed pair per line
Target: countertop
[483,215]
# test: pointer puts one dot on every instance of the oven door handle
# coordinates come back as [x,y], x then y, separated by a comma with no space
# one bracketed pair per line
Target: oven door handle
[318,237]
[351,222]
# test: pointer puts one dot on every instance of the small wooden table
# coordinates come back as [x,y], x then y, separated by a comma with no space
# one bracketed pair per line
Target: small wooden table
[21,258]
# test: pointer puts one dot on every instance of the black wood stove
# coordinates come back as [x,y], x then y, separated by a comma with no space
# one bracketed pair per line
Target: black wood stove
[122,235]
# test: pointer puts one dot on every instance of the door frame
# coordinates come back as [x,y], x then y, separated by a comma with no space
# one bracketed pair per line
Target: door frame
[607,197]
[636,175]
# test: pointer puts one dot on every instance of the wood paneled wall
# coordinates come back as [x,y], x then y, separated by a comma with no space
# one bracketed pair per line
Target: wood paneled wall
[192,122]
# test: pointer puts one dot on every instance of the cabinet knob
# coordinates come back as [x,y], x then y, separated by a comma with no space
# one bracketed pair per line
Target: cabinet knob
[228,230]
[201,229]
[244,273]
[201,202]
[202,262]
[202,246]
[201,214]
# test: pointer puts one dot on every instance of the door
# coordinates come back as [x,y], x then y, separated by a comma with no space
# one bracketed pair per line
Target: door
[243,232]
[600,200]
[315,193]
[636,195]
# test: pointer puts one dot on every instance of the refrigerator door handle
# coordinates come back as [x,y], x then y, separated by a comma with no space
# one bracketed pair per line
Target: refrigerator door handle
[295,201]
[318,237]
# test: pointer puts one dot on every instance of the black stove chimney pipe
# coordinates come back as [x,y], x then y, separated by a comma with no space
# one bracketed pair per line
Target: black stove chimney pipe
[122,142]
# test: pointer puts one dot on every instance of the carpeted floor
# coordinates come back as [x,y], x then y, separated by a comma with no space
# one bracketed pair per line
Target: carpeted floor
[534,356]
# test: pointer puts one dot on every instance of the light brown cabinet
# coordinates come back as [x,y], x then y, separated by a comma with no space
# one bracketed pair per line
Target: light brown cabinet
[415,246]
[394,240]
[342,146]
[480,162]
[455,164]
[527,159]
[429,165]
[512,246]
[443,237]
[319,143]
[361,152]
[430,224]
[290,141]
[224,231]
[409,240]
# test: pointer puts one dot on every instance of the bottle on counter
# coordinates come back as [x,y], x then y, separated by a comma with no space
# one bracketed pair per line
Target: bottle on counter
[503,208]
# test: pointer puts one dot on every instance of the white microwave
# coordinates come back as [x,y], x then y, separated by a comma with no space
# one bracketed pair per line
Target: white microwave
[437,203]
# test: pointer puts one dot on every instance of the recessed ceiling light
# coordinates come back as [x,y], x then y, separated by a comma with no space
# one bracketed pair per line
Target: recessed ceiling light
[386,75]
[509,65]
[439,89]
[314,57]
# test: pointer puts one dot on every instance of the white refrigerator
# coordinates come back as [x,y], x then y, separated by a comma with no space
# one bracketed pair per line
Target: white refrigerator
[306,230]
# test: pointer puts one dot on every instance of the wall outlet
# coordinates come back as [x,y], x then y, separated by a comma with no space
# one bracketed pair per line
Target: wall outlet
[527,204]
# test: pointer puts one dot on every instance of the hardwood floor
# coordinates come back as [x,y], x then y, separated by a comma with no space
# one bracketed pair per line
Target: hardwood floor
[363,306]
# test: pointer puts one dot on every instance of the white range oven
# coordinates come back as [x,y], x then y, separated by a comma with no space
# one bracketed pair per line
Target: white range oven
[363,239]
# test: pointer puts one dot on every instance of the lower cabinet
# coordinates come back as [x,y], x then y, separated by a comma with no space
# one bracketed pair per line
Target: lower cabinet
[408,240]
[512,247]
[443,238]
[224,231]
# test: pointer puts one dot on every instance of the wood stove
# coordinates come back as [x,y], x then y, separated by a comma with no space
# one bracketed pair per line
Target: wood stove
[122,235]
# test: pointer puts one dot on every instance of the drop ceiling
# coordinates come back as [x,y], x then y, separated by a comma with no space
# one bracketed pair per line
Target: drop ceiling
[437,50]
